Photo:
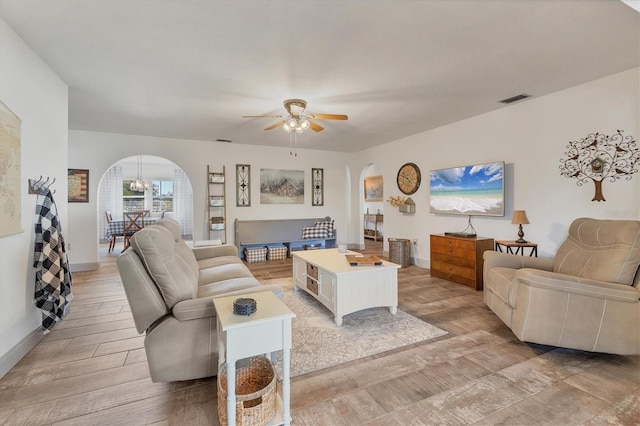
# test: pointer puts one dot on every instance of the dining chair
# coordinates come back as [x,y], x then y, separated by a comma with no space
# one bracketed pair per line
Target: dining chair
[133,222]
[114,234]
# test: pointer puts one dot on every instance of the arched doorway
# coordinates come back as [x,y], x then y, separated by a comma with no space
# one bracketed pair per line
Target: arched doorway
[165,191]
[372,211]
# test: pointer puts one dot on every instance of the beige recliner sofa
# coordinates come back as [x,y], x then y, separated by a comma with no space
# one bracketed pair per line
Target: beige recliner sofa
[587,297]
[170,287]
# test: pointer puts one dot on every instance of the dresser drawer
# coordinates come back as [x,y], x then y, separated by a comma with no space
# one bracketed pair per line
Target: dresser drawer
[458,252]
[467,262]
[455,270]
[446,245]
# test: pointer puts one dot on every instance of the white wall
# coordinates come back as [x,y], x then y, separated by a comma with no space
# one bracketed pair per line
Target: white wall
[99,151]
[531,138]
[39,98]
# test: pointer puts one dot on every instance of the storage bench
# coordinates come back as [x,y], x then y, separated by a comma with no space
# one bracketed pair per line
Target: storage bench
[280,232]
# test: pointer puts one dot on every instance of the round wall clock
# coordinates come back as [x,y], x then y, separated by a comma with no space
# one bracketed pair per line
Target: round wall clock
[408,178]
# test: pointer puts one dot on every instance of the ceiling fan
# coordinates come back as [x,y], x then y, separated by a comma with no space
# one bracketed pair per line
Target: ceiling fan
[298,120]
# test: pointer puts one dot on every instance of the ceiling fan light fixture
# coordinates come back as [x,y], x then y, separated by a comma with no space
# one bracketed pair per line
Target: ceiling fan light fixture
[291,123]
[286,127]
[303,123]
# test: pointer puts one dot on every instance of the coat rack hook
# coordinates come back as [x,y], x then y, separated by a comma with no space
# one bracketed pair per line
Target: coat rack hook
[36,186]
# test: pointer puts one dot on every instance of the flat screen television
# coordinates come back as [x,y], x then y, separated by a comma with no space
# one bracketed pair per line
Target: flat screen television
[476,190]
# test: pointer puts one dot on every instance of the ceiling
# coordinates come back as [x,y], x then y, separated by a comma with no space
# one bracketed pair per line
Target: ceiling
[192,69]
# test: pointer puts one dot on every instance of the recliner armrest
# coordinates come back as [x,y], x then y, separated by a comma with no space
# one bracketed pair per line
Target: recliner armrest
[191,309]
[203,307]
[215,251]
[513,261]
[574,285]
[275,289]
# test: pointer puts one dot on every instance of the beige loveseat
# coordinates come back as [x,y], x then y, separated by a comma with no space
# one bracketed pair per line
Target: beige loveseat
[170,288]
[587,297]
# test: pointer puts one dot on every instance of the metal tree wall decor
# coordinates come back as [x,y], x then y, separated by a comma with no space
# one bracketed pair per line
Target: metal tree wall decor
[598,157]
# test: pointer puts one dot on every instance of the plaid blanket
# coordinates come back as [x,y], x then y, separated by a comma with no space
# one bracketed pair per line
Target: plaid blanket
[53,278]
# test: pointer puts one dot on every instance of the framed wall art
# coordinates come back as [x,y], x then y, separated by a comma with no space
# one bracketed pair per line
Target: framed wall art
[317,186]
[373,188]
[243,185]
[10,164]
[78,184]
[281,186]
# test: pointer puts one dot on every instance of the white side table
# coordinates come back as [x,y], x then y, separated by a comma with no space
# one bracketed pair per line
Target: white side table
[266,331]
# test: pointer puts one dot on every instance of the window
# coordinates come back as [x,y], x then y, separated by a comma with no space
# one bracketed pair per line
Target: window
[131,200]
[162,196]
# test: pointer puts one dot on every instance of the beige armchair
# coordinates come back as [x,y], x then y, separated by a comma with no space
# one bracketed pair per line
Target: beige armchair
[587,297]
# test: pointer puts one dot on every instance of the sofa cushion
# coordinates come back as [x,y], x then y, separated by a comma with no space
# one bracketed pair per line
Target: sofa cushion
[222,273]
[328,224]
[314,232]
[182,249]
[604,250]
[167,263]
[230,285]
[212,262]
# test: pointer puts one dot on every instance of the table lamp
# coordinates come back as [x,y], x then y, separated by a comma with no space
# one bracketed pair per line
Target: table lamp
[520,218]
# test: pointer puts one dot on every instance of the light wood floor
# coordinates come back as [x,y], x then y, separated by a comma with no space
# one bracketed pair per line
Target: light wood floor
[91,370]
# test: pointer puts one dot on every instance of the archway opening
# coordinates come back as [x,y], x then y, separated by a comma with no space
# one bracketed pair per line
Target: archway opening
[372,212]
[164,190]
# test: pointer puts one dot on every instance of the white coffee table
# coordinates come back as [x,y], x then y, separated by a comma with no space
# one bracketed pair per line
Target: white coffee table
[342,288]
[265,331]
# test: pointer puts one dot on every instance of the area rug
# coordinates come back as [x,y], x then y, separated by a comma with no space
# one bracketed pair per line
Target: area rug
[319,343]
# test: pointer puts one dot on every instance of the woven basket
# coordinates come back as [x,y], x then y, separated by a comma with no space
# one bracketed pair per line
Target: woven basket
[255,393]
[400,251]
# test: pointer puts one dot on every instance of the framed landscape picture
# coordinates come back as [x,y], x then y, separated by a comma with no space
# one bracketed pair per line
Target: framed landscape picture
[78,181]
[373,188]
[281,186]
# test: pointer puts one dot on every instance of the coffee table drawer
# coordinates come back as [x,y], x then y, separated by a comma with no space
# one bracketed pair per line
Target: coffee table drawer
[312,285]
[312,271]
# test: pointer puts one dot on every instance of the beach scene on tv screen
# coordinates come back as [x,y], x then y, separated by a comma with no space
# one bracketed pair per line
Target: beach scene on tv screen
[469,190]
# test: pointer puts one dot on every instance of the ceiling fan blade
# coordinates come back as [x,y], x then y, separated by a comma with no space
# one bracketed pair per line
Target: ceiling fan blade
[328,116]
[315,127]
[274,125]
[258,116]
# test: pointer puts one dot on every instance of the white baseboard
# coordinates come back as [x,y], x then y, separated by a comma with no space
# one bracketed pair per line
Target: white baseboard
[80,267]
[15,354]
[422,263]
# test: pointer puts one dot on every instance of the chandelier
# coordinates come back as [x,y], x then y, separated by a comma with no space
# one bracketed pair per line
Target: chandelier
[139,184]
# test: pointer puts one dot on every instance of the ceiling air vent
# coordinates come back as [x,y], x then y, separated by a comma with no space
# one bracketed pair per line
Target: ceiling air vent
[515,98]
[224,140]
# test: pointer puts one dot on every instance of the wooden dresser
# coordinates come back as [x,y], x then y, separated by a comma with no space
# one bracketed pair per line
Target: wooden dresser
[459,259]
